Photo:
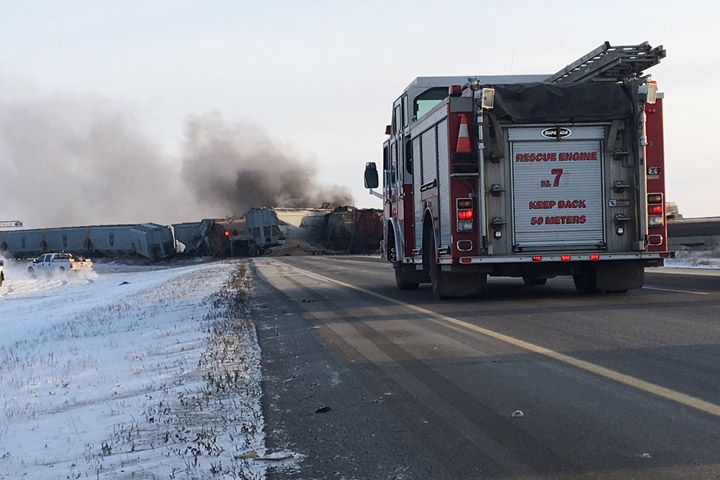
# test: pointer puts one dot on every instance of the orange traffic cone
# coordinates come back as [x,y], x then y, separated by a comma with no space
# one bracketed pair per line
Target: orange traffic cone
[463,142]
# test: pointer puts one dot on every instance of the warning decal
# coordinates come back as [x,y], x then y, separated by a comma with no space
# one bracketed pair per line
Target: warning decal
[557,193]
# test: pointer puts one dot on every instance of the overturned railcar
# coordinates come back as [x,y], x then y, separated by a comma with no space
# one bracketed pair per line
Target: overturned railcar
[244,236]
[149,240]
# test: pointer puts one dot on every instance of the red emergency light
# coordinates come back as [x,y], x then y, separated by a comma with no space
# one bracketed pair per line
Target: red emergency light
[465,214]
[655,209]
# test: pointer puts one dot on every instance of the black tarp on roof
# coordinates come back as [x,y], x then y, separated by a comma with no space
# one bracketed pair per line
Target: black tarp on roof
[547,103]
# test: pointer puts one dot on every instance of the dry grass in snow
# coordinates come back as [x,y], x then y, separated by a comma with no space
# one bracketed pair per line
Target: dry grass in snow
[138,374]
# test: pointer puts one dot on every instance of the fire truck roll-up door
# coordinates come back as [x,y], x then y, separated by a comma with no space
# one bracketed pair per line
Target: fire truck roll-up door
[430,147]
[558,186]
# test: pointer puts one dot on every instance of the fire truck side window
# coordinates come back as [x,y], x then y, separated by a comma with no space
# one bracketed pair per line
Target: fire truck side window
[397,119]
[385,156]
[404,111]
[427,100]
[409,157]
[394,163]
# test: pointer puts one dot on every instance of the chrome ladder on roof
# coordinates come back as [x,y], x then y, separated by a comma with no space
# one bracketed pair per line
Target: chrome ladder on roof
[610,63]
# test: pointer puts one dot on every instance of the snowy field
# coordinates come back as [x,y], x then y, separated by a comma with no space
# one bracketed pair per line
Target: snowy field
[130,372]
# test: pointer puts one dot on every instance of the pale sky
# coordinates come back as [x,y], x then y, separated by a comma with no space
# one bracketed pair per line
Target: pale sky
[320,76]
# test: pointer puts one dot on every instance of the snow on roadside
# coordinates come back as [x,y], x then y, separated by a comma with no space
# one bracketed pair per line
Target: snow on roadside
[141,373]
[695,258]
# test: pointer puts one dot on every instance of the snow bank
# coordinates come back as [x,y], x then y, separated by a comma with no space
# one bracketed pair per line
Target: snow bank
[695,258]
[143,373]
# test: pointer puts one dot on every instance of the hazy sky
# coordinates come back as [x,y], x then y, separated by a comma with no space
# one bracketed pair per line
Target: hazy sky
[315,78]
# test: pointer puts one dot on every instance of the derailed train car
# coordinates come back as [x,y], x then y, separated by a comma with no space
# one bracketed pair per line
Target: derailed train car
[353,230]
[345,229]
[249,235]
[148,240]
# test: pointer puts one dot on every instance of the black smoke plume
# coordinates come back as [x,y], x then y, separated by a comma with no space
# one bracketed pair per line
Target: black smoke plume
[239,165]
[68,160]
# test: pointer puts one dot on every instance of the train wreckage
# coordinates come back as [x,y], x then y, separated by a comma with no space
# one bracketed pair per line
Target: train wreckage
[278,231]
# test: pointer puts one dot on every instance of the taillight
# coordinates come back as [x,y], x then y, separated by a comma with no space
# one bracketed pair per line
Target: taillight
[536,258]
[226,233]
[656,210]
[464,208]
[565,258]
[594,256]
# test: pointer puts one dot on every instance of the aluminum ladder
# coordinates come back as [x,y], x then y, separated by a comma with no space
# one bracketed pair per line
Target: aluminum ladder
[610,63]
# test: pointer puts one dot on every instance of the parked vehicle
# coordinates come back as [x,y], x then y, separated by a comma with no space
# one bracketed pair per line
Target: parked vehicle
[2,272]
[528,176]
[59,262]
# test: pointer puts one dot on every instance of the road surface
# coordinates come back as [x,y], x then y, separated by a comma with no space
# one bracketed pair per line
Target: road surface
[368,382]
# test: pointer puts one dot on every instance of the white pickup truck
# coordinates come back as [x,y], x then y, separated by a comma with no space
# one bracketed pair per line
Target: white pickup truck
[51,262]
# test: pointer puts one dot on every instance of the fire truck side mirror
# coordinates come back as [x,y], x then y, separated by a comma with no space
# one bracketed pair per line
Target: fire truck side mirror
[371,175]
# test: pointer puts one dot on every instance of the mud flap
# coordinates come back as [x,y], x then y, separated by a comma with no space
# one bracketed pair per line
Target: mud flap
[619,276]
[407,277]
[458,285]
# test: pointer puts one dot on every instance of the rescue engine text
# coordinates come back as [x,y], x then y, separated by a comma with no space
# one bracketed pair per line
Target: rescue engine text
[555,156]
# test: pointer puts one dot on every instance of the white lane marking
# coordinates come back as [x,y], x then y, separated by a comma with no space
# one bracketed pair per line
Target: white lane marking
[676,291]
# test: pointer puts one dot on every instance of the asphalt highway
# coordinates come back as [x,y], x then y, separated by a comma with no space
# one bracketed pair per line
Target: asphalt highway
[363,381]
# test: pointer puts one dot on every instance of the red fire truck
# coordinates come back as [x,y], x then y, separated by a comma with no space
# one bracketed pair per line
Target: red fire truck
[530,176]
